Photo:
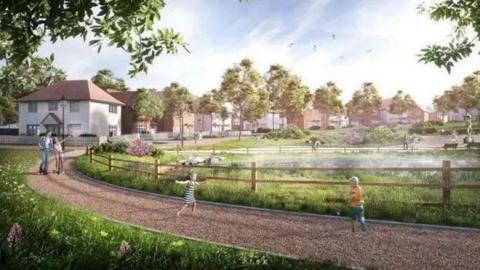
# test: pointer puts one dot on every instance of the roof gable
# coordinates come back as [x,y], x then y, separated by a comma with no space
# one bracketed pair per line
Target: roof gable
[71,90]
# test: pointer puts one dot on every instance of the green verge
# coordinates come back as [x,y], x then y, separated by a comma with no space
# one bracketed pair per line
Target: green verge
[389,203]
[59,237]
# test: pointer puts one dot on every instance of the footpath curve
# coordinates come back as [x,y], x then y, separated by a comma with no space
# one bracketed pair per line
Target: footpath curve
[384,246]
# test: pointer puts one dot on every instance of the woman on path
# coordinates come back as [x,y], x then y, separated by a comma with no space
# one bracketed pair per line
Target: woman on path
[58,151]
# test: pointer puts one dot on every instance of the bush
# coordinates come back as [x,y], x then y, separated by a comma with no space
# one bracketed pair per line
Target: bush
[355,137]
[158,153]
[314,128]
[263,130]
[140,148]
[109,147]
[291,132]
[383,135]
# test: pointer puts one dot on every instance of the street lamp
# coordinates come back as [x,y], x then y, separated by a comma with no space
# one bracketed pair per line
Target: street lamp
[63,104]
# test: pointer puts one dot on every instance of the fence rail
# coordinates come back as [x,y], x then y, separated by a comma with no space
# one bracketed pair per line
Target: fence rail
[446,185]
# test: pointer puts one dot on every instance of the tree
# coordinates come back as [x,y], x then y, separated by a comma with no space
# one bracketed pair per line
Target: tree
[125,24]
[465,14]
[401,103]
[210,104]
[241,86]
[364,102]
[17,81]
[105,79]
[147,106]
[469,92]
[178,101]
[327,100]
[286,92]
[465,96]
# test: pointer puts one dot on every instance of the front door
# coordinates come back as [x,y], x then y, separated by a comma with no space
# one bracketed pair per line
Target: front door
[55,129]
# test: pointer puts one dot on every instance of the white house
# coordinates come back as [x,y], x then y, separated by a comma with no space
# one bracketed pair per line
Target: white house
[271,120]
[78,105]
[459,115]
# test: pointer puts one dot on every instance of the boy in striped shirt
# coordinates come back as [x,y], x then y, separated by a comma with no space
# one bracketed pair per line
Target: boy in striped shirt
[356,198]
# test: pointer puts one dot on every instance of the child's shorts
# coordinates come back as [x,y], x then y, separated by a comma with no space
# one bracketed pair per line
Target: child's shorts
[358,212]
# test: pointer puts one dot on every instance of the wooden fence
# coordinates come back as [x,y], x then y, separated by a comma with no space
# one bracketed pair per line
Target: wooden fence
[447,186]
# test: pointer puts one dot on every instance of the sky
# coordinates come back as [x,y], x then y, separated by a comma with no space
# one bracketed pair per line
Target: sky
[345,41]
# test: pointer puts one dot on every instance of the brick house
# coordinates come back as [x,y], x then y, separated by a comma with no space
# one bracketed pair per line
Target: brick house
[312,118]
[130,123]
[412,116]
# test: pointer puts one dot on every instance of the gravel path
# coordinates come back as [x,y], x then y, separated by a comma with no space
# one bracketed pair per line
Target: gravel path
[316,238]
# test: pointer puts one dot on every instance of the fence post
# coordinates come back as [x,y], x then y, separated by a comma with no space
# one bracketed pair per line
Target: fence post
[447,181]
[86,151]
[247,150]
[91,156]
[157,169]
[110,161]
[254,176]
[280,149]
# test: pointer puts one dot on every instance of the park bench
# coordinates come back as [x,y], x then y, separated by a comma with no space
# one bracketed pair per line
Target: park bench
[450,145]
[473,145]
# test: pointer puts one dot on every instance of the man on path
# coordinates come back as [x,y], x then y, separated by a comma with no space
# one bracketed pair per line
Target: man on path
[45,145]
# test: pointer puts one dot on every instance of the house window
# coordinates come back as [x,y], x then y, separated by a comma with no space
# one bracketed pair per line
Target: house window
[112,129]
[52,105]
[140,128]
[74,129]
[32,107]
[74,106]
[112,108]
[33,130]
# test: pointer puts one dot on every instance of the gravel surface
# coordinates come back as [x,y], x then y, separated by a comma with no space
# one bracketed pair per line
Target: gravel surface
[312,237]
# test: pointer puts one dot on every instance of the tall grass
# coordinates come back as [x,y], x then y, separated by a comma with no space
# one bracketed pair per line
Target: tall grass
[390,203]
[59,237]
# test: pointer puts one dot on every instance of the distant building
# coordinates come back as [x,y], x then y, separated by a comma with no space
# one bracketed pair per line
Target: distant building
[384,117]
[412,116]
[312,118]
[459,115]
[271,120]
[88,109]
[133,124]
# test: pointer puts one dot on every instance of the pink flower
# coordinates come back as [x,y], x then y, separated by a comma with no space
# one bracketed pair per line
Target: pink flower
[124,249]
[15,236]
[140,148]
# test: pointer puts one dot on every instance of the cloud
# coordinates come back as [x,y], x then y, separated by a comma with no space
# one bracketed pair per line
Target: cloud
[221,33]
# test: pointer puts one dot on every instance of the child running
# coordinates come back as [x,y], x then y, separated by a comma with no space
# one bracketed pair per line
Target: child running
[356,198]
[189,198]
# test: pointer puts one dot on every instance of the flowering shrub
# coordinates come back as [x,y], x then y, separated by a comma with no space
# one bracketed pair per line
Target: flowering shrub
[140,148]
[355,137]
[381,135]
[15,236]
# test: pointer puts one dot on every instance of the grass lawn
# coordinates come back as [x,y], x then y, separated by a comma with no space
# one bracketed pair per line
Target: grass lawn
[59,237]
[396,203]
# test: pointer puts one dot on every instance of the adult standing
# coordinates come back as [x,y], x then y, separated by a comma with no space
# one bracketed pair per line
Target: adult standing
[45,145]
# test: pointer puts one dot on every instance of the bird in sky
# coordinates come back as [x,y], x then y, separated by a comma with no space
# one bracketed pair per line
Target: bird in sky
[369,50]
[342,57]
[315,47]
[291,44]
[333,36]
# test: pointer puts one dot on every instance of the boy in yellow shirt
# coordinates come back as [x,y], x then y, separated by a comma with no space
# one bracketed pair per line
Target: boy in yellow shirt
[356,198]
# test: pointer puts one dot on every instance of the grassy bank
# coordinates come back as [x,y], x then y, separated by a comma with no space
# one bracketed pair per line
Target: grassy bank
[55,236]
[397,203]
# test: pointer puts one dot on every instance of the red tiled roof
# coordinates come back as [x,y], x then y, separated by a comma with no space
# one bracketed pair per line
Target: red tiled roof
[386,104]
[72,90]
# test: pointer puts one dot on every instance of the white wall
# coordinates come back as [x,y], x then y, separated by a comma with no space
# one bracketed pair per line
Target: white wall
[267,122]
[27,118]
[92,116]
[101,118]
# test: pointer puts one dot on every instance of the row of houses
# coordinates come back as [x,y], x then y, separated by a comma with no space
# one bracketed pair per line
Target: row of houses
[81,107]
